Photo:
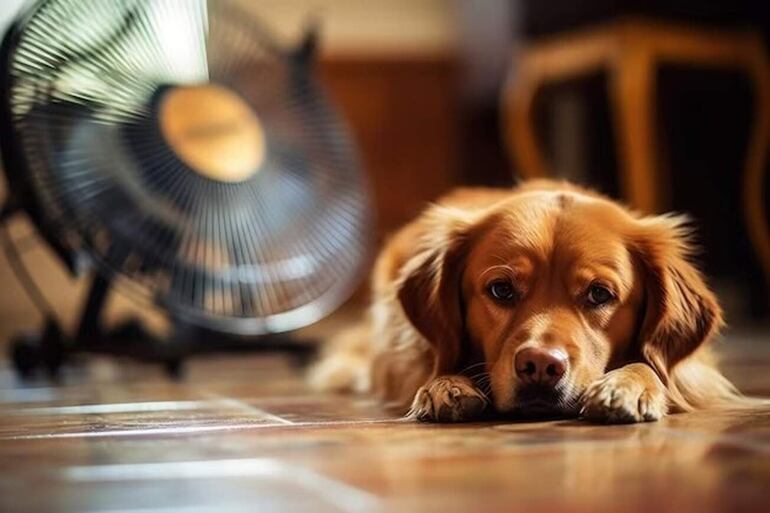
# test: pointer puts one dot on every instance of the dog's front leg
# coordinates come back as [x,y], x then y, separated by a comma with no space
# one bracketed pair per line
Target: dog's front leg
[632,393]
[448,399]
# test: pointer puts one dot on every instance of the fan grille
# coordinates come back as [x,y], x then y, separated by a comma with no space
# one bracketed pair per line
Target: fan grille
[275,249]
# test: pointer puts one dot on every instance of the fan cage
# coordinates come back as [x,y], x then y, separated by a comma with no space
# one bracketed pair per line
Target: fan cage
[270,254]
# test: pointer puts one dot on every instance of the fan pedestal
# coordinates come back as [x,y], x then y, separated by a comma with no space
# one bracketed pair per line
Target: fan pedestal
[50,349]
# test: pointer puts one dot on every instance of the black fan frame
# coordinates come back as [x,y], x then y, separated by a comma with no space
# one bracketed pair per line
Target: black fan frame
[20,194]
[50,348]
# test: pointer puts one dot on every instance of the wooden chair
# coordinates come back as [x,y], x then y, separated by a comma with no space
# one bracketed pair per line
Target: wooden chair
[630,51]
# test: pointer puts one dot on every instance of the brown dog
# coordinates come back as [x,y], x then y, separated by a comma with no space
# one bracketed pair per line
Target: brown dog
[544,300]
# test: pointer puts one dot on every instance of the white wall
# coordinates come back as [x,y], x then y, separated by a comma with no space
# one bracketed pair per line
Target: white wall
[8,9]
[365,26]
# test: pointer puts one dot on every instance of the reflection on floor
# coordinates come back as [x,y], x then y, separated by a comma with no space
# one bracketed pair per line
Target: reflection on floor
[243,434]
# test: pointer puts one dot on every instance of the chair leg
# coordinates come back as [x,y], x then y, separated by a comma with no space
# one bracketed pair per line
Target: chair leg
[518,110]
[755,207]
[633,97]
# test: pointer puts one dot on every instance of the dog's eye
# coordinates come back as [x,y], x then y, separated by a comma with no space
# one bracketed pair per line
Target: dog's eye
[599,295]
[501,290]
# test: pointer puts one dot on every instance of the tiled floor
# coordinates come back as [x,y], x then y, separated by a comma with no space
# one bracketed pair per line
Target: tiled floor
[243,434]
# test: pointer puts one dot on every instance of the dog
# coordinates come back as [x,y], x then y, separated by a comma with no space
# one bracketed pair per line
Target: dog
[547,300]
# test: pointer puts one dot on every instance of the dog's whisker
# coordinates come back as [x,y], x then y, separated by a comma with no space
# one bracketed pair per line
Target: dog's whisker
[483,383]
[479,375]
[570,402]
[473,366]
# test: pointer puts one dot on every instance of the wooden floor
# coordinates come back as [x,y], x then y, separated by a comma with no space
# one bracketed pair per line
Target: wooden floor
[243,434]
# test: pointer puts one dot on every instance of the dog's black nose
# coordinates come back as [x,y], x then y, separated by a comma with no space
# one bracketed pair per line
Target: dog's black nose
[544,366]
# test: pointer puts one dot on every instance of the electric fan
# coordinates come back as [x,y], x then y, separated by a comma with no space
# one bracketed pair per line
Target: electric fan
[177,150]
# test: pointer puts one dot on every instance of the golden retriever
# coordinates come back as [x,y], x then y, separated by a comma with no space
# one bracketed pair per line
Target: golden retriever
[545,300]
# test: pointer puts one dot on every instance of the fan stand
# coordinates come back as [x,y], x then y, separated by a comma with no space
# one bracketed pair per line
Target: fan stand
[50,348]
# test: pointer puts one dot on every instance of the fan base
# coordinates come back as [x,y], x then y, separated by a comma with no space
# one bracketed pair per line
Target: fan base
[51,349]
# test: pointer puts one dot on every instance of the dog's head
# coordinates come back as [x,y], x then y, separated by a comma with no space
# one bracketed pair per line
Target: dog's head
[550,288]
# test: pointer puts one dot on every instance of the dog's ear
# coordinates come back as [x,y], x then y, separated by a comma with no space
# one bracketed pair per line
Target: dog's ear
[430,285]
[681,313]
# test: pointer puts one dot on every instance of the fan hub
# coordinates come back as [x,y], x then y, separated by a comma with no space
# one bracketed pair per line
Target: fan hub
[214,131]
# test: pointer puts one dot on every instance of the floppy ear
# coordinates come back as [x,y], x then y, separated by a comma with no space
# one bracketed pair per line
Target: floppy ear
[681,312]
[430,285]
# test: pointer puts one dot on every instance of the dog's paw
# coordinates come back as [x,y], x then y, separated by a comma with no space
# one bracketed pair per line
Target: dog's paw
[448,399]
[340,373]
[630,394]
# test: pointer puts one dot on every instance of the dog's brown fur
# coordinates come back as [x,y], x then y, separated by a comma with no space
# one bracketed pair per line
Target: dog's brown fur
[437,341]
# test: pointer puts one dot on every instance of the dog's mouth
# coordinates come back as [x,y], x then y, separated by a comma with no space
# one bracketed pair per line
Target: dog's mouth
[539,402]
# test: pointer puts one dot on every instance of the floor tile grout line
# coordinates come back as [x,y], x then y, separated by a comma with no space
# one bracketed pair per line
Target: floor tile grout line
[134,432]
[105,408]
[243,406]
[194,429]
